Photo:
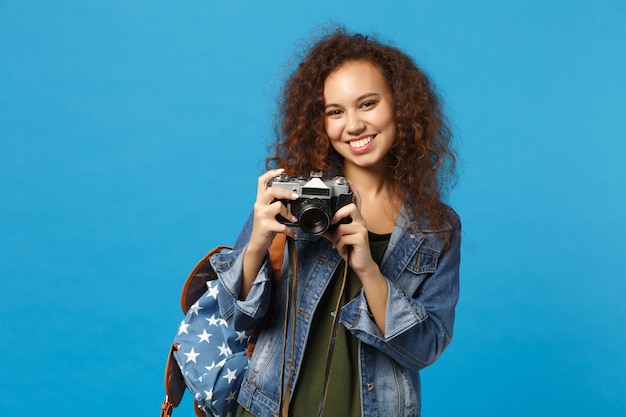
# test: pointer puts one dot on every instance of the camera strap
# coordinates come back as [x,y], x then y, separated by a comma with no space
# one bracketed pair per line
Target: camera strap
[291,304]
[292,290]
[333,338]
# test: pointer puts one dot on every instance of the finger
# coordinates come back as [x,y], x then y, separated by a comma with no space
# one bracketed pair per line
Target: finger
[355,193]
[288,231]
[269,229]
[267,212]
[264,179]
[342,246]
[273,195]
[355,244]
[350,211]
[282,194]
[266,194]
[271,223]
[350,239]
[279,209]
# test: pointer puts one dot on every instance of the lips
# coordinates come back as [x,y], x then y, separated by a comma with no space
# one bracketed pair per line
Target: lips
[361,142]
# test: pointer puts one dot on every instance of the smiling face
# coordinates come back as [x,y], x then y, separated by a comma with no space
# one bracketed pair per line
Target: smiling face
[359,117]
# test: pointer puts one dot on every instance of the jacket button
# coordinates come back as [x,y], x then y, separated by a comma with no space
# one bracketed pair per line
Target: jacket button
[370,386]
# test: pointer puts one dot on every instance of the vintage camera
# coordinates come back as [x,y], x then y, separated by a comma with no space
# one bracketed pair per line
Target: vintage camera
[319,201]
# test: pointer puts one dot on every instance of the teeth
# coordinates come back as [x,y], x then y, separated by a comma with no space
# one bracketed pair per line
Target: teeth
[361,142]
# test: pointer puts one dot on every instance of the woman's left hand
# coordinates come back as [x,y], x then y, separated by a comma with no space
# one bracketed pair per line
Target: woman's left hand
[352,237]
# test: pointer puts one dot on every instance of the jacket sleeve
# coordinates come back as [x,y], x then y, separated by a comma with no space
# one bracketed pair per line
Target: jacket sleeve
[418,326]
[228,264]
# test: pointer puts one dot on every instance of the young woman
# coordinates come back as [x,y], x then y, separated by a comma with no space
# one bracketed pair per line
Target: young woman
[362,110]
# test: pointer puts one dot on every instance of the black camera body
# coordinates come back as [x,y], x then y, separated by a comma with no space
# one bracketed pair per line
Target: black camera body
[319,201]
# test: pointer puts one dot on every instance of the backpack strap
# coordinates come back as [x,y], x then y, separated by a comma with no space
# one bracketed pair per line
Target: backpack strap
[174,384]
[196,283]
[277,254]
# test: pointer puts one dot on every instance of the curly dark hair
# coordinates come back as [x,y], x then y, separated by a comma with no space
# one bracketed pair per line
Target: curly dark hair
[422,163]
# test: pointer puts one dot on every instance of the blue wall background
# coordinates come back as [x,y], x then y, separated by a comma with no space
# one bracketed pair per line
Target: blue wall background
[132,134]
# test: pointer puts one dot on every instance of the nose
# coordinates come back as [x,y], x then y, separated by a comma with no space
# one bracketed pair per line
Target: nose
[354,123]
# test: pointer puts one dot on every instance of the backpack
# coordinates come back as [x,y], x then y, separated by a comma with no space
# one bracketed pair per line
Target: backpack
[207,356]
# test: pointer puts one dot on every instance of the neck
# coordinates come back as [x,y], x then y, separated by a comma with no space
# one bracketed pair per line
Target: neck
[380,200]
[370,182]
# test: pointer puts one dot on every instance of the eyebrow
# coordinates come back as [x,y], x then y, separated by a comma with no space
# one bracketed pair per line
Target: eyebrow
[359,98]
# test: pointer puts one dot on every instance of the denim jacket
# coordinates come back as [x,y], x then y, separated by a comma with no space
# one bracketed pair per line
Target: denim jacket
[422,276]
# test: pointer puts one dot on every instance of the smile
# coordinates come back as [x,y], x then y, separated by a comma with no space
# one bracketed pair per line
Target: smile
[360,143]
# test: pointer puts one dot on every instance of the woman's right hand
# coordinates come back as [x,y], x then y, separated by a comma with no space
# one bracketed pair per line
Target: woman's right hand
[266,207]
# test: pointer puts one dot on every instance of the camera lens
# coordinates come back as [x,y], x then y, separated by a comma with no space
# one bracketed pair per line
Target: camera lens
[314,217]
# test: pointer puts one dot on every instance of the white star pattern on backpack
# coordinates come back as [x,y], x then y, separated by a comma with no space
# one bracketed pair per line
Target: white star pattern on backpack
[211,355]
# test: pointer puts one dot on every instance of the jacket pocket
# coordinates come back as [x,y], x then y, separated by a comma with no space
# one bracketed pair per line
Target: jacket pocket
[424,261]
[422,265]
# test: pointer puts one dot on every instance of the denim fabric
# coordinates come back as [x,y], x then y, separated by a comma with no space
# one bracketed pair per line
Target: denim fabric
[423,282]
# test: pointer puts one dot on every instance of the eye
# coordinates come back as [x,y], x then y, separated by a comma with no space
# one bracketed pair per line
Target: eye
[368,104]
[333,113]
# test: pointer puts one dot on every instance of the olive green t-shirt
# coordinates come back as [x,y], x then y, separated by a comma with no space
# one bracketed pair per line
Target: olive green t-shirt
[344,390]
